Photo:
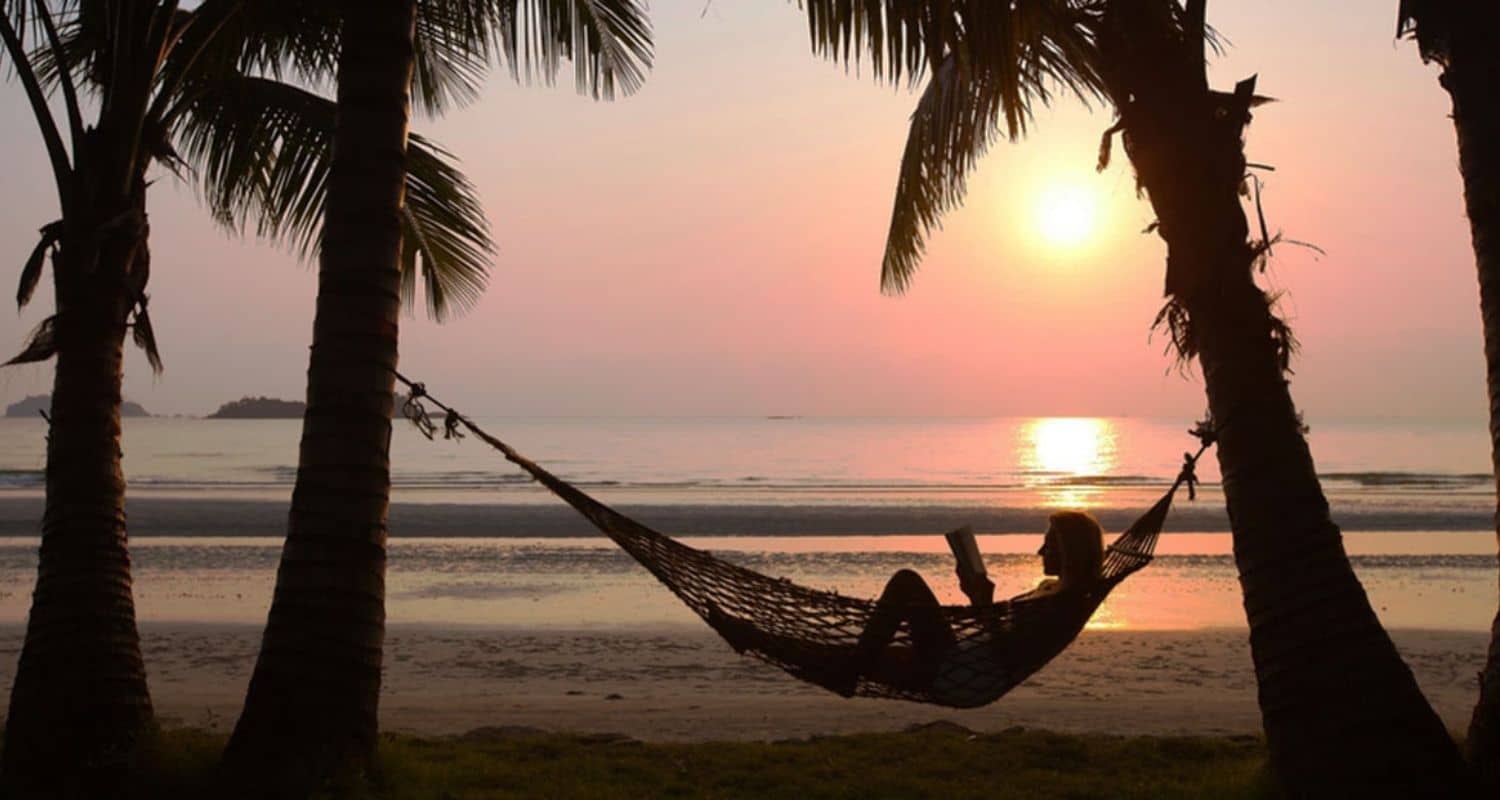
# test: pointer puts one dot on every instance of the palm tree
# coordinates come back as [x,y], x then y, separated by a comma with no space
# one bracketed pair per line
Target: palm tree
[164,80]
[311,710]
[1341,710]
[1463,38]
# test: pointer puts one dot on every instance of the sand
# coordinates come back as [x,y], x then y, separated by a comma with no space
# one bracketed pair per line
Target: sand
[676,684]
[152,515]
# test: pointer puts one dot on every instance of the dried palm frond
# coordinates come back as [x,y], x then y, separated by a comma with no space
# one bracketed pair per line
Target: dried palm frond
[145,337]
[40,345]
[31,273]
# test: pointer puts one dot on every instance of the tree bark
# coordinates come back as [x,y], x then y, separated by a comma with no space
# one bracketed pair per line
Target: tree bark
[79,702]
[1343,715]
[1471,74]
[310,714]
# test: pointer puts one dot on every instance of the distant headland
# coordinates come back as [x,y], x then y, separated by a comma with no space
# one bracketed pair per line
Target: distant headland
[272,408]
[37,403]
[260,408]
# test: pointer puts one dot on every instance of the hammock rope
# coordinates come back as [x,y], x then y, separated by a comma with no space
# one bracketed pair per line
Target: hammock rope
[810,633]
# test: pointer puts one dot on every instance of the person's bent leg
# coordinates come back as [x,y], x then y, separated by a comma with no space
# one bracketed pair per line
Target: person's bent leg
[906,598]
[931,635]
[905,593]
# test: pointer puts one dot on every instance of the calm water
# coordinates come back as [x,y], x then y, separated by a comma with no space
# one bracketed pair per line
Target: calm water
[1047,461]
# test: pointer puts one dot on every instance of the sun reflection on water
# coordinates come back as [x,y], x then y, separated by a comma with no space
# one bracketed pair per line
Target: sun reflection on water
[1064,453]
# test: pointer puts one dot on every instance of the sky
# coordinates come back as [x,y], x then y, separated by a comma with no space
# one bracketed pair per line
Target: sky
[711,245]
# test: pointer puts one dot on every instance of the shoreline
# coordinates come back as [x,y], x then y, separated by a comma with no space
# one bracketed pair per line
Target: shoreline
[222,517]
[684,684]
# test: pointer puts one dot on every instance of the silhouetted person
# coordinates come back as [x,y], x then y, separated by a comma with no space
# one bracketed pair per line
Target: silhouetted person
[1072,553]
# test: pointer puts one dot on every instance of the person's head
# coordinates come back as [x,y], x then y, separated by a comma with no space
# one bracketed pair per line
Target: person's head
[1073,548]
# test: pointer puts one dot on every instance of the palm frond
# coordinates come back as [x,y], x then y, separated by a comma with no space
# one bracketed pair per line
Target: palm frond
[278,40]
[608,41]
[455,43]
[1007,60]
[989,64]
[950,129]
[900,38]
[192,41]
[145,337]
[444,224]
[452,52]
[81,41]
[263,150]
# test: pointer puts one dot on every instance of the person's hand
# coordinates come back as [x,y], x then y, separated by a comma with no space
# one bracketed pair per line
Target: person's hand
[980,589]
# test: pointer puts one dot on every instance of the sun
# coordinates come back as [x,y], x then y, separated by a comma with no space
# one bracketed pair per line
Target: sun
[1067,215]
[1069,445]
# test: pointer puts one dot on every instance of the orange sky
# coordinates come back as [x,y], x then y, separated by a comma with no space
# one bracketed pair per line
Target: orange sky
[712,245]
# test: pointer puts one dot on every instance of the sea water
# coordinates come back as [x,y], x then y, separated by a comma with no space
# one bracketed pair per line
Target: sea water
[1088,462]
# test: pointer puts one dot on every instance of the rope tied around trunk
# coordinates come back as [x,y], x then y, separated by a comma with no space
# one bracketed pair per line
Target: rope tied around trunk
[1207,435]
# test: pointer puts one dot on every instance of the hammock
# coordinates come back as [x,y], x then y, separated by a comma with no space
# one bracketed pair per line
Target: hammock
[812,634]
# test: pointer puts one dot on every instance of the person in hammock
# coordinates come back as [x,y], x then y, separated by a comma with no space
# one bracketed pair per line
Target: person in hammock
[1072,556]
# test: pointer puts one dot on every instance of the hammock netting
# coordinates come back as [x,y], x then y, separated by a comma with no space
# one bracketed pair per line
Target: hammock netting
[812,634]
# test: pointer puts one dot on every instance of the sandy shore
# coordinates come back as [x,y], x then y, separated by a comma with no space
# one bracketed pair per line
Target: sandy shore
[675,684]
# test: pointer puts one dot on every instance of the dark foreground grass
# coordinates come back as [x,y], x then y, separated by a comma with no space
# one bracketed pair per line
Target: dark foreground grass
[938,761]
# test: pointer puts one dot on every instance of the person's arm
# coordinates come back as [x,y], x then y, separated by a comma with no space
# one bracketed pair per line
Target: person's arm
[979,588]
[1046,587]
[973,579]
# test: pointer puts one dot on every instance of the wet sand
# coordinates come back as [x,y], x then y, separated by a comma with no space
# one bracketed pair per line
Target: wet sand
[542,517]
[676,684]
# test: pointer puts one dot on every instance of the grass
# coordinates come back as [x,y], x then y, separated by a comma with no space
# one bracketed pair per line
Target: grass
[938,761]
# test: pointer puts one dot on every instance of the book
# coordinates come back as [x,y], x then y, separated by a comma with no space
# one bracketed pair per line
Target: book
[966,552]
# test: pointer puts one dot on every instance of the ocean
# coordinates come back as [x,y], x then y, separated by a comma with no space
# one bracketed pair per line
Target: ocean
[1409,465]
[835,503]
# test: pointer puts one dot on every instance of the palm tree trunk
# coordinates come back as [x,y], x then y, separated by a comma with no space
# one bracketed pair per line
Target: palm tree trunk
[1470,75]
[311,709]
[1343,715]
[79,702]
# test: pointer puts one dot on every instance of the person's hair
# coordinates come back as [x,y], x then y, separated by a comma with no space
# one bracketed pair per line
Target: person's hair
[1080,541]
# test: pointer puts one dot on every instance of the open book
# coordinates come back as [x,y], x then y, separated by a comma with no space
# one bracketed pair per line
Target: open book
[966,551]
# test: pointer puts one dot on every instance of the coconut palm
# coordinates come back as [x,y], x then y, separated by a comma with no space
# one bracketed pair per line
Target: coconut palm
[194,91]
[1463,38]
[310,713]
[1340,708]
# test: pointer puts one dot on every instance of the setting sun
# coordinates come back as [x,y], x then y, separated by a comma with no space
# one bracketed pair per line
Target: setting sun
[1070,446]
[1067,215]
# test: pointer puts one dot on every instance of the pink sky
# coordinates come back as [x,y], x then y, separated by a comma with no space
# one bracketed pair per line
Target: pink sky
[712,245]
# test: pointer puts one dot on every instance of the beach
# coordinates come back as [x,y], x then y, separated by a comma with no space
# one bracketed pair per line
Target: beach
[564,633]
[677,685]
[506,610]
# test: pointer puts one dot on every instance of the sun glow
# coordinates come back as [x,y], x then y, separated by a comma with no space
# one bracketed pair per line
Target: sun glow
[1067,215]
[1069,446]
[1066,454]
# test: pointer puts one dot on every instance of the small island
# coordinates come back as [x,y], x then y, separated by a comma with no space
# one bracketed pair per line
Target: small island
[36,404]
[260,408]
[273,408]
